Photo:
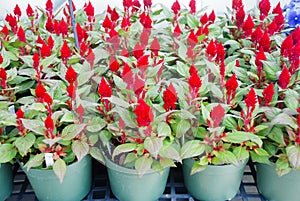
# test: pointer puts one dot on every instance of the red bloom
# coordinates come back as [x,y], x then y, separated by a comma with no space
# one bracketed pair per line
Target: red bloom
[114,65]
[63,27]
[220,53]
[147,4]
[138,85]
[138,51]
[143,112]
[155,46]
[240,16]
[170,98]
[47,98]
[136,5]
[286,46]
[265,42]
[264,7]
[222,71]
[296,35]
[237,4]
[145,20]
[104,90]
[29,11]
[21,34]
[144,37]
[192,6]
[279,19]
[127,74]
[212,17]
[194,80]
[49,25]
[65,51]
[256,35]
[125,23]
[12,21]
[192,39]
[268,94]
[20,114]
[211,50]
[36,60]
[50,42]
[40,91]
[177,31]
[260,56]
[143,63]
[81,33]
[127,4]
[176,7]
[71,91]
[193,70]
[3,77]
[284,78]
[45,51]
[17,11]
[5,30]
[231,86]
[1,59]
[248,26]
[114,15]
[49,6]
[80,112]
[251,100]
[125,52]
[204,19]
[107,23]
[89,10]
[56,26]
[49,124]
[71,75]
[272,28]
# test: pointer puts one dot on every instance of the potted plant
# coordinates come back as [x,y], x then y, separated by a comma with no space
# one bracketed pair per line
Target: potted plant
[50,134]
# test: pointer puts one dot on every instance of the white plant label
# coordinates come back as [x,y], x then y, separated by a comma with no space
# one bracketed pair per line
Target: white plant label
[49,159]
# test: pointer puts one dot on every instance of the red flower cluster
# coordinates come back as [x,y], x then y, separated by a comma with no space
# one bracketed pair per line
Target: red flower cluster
[231,86]
[268,94]
[143,112]
[170,98]
[3,77]
[65,52]
[284,78]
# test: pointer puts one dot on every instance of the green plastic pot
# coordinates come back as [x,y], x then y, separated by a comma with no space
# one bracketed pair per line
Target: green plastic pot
[75,186]
[215,183]
[277,188]
[126,185]
[6,180]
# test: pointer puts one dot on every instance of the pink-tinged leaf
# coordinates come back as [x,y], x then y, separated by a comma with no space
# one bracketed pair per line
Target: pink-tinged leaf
[217,114]
[80,148]
[60,169]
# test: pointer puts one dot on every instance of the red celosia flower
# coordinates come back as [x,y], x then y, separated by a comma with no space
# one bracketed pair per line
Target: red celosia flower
[155,46]
[71,75]
[50,42]
[296,35]
[284,78]
[81,33]
[136,5]
[220,53]
[268,94]
[143,63]
[89,10]
[49,6]
[21,34]
[65,51]
[176,7]
[222,71]
[272,28]
[17,11]
[192,6]
[279,18]
[63,27]
[5,30]
[107,23]
[80,112]
[240,16]
[286,46]
[47,98]
[146,20]
[211,50]
[127,4]
[49,25]
[71,91]
[56,26]
[212,17]
[20,114]
[36,60]
[192,39]
[237,4]
[1,59]
[3,77]
[138,85]
[138,51]
[193,70]
[194,80]
[260,56]
[29,11]
[127,74]
[265,41]
[83,49]
[114,65]
[143,112]
[40,40]
[114,15]
[144,37]
[264,7]
[45,51]
[204,19]
[256,35]
[248,26]
[40,91]
[237,63]
[125,52]
[177,31]
[125,22]
[170,98]
[104,90]
[49,124]
[251,100]
[231,86]
[12,21]
[147,4]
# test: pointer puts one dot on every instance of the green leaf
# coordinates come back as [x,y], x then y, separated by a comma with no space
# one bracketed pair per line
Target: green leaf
[227,157]
[126,117]
[192,21]
[191,149]
[7,153]
[96,124]
[38,107]
[123,148]
[130,158]
[291,99]
[240,136]
[143,164]
[60,169]
[68,117]
[167,162]
[24,143]
[277,135]
[284,119]
[260,159]
[80,148]
[170,152]
[241,153]
[153,145]
[293,153]
[182,68]
[71,131]
[35,126]
[118,101]
[163,129]
[197,167]
[97,154]
[182,127]
[84,77]
[119,82]
[37,160]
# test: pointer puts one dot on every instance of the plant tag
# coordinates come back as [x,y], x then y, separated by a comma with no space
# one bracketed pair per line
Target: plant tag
[11,109]
[49,159]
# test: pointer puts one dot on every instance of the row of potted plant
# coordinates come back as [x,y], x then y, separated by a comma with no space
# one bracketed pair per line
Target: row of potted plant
[146,87]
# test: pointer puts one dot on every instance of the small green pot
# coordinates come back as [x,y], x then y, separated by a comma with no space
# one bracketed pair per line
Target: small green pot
[6,181]
[126,185]
[75,186]
[215,183]
[277,188]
